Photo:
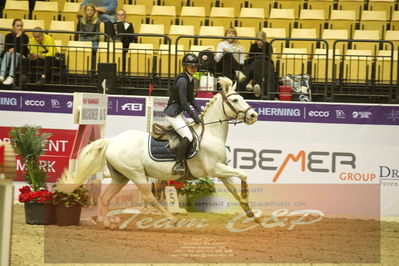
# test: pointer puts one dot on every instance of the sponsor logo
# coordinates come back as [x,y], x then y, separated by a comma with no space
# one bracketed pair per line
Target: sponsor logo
[35,103]
[361,115]
[132,107]
[69,104]
[91,101]
[319,113]
[277,111]
[340,114]
[393,115]
[388,172]
[311,161]
[8,101]
[55,103]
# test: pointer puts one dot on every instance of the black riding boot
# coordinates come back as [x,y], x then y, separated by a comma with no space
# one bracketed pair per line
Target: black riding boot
[181,150]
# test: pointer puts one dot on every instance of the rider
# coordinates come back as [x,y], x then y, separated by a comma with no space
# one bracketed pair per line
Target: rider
[183,93]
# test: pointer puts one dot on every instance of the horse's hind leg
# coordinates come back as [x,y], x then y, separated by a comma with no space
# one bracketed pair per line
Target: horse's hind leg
[145,189]
[117,183]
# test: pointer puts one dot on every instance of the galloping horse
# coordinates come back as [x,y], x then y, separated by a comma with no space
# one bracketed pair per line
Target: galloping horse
[126,155]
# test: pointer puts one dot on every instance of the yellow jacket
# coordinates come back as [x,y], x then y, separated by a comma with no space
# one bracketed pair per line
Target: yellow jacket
[46,47]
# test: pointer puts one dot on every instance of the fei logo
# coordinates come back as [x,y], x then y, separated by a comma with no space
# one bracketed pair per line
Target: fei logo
[364,115]
[132,107]
[312,161]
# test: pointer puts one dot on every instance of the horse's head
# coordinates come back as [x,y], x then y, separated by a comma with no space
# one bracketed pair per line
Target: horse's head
[234,105]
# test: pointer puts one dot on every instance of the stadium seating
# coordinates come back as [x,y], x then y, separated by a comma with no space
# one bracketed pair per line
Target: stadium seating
[62,26]
[293,61]
[222,16]
[281,18]
[252,17]
[210,31]
[296,5]
[47,11]
[366,35]
[306,34]
[135,14]
[237,5]
[16,9]
[192,15]
[343,20]
[384,66]
[152,29]
[207,4]
[78,59]
[69,11]
[374,20]
[140,59]
[355,5]
[265,4]
[272,33]
[357,66]
[165,15]
[246,32]
[319,64]
[326,5]
[332,35]
[163,59]
[102,52]
[178,30]
[312,19]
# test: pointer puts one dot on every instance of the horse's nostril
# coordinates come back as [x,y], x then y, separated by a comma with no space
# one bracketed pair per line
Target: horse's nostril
[252,115]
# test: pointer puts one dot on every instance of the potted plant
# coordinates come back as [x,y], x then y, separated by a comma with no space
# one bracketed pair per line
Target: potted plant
[68,206]
[193,194]
[29,144]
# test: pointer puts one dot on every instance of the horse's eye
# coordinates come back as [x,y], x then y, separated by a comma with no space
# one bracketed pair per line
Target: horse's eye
[235,100]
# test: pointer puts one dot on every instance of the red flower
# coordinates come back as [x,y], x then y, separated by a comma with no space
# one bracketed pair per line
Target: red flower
[39,196]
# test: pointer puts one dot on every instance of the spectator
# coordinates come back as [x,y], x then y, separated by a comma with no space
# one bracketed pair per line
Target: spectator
[229,57]
[121,26]
[15,44]
[89,22]
[105,8]
[254,64]
[42,54]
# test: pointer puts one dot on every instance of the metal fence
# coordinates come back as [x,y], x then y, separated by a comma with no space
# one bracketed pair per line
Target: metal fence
[336,70]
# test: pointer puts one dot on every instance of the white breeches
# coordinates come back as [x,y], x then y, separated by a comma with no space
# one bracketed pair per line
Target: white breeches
[179,123]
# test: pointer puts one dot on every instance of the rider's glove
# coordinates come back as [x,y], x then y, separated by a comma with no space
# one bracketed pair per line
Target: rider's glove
[197,120]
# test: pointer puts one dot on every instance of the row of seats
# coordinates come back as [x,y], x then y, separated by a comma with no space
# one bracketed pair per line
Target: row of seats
[357,64]
[329,35]
[247,17]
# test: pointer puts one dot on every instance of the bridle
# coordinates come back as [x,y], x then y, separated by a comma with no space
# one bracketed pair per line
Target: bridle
[232,108]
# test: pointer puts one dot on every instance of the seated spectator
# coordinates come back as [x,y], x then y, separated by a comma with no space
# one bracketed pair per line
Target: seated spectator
[229,57]
[89,22]
[15,44]
[121,26]
[254,65]
[105,8]
[42,53]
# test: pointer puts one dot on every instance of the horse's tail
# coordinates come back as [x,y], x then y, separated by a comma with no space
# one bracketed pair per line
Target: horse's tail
[90,161]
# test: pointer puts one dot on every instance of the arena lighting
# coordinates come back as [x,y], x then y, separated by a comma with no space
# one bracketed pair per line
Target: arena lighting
[7,174]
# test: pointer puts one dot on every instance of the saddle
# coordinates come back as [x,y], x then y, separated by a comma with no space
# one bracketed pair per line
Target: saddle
[166,133]
[164,140]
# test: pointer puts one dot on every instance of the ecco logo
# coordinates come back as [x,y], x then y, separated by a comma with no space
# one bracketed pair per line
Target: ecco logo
[34,103]
[319,113]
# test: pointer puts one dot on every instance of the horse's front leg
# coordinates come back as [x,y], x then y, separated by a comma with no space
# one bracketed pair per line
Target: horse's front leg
[225,173]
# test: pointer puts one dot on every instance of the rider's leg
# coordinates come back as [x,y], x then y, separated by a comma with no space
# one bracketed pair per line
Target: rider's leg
[180,124]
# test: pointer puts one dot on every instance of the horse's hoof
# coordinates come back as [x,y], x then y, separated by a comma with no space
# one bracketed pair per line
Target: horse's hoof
[258,219]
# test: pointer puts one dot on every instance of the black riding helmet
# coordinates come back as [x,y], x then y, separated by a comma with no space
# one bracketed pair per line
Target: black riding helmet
[190,60]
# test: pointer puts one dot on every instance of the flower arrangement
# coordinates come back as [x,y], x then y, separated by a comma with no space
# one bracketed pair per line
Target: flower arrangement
[79,197]
[204,184]
[41,196]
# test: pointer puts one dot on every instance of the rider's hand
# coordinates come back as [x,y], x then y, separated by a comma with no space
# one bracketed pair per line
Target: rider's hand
[197,120]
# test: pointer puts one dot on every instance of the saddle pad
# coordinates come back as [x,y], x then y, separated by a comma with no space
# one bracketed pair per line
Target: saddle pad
[159,150]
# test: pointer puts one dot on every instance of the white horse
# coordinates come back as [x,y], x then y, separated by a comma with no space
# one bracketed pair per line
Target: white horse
[126,155]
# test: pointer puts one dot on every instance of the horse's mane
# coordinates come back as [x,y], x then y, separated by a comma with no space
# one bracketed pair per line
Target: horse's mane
[208,104]
[225,82]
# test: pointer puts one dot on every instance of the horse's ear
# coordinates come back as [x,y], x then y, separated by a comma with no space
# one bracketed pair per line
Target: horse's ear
[234,87]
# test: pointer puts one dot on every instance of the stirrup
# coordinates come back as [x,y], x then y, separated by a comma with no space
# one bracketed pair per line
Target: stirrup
[178,169]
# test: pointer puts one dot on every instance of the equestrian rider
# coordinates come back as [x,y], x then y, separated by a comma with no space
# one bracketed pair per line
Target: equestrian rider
[183,93]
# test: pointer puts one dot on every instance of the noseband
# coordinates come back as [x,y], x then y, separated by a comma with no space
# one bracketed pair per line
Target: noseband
[232,108]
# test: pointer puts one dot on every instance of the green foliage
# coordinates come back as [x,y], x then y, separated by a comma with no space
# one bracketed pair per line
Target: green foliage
[79,196]
[199,185]
[29,143]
